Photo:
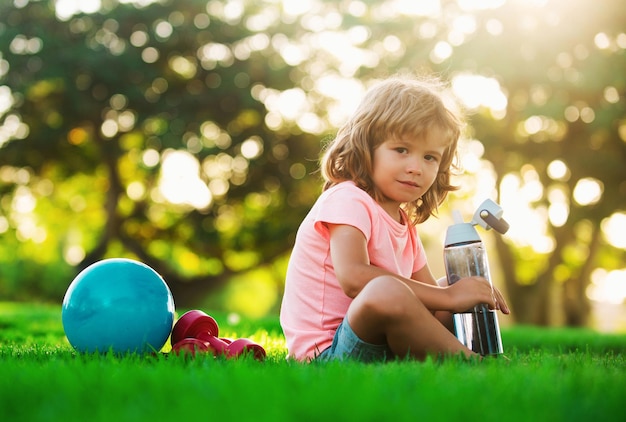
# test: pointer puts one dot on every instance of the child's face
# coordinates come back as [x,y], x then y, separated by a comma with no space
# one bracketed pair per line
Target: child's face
[404,169]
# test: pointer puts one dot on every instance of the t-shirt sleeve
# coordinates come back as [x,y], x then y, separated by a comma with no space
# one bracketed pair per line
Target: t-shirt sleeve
[346,205]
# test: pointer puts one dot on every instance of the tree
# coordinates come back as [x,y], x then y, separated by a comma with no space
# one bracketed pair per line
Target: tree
[243,95]
[101,94]
[564,129]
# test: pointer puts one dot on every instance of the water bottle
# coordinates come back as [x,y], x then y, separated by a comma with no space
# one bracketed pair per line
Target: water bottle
[465,256]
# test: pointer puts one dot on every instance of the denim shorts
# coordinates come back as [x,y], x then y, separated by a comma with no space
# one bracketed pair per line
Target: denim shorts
[347,345]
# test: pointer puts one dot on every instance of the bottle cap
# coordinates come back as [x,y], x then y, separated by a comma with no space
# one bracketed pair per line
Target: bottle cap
[461,233]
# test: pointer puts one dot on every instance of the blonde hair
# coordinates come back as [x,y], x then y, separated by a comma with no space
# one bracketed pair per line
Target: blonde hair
[394,108]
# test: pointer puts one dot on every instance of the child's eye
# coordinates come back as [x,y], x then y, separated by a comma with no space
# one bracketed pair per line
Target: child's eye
[430,158]
[402,150]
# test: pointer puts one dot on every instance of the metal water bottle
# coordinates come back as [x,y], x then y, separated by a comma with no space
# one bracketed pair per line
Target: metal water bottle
[465,256]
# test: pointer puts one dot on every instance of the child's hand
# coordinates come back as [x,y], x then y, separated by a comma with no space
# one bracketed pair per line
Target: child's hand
[471,291]
[500,302]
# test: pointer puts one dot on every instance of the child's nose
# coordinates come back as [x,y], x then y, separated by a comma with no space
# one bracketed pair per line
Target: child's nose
[414,166]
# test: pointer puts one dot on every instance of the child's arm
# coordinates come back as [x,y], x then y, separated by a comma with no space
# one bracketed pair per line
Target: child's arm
[425,276]
[348,249]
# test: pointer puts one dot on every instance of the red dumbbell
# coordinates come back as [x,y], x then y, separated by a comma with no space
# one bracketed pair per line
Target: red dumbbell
[191,346]
[195,331]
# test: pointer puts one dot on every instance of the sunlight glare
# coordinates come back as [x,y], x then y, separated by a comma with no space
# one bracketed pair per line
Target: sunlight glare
[311,123]
[4,66]
[588,191]
[150,157]
[558,211]
[485,183]
[23,205]
[185,67]
[472,151]
[528,225]
[23,201]
[611,95]
[141,3]
[6,99]
[346,93]
[65,9]
[558,170]
[4,224]
[135,190]
[463,25]
[297,7]
[441,51]
[608,287]
[532,190]
[494,27]
[180,183]
[477,91]
[470,5]
[477,177]
[290,103]
[74,254]
[293,53]
[602,41]
[342,47]
[430,8]
[12,128]
[613,229]
[252,147]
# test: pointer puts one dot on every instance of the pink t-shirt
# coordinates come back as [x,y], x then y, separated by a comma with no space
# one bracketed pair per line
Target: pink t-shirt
[314,303]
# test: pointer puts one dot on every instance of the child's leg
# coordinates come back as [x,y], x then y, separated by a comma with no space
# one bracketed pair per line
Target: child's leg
[446,319]
[387,311]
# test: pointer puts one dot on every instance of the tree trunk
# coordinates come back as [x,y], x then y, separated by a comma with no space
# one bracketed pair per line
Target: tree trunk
[112,223]
[528,303]
[575,302]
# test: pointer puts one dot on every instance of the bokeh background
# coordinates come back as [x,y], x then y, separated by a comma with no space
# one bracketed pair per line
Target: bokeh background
[186,134]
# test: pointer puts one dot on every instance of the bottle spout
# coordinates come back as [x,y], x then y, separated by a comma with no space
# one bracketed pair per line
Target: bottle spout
[457,217]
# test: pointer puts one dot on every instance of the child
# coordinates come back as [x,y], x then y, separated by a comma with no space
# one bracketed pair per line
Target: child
[358,284]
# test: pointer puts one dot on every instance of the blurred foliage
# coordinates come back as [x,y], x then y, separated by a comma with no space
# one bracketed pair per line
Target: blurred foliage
[102,103]
[86,75]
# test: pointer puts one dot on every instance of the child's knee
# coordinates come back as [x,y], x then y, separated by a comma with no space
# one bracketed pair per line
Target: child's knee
[387,295]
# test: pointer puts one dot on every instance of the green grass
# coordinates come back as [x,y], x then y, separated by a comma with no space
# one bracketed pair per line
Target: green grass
[556,375]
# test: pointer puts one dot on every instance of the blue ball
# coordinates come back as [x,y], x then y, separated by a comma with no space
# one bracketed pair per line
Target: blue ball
[118,305]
